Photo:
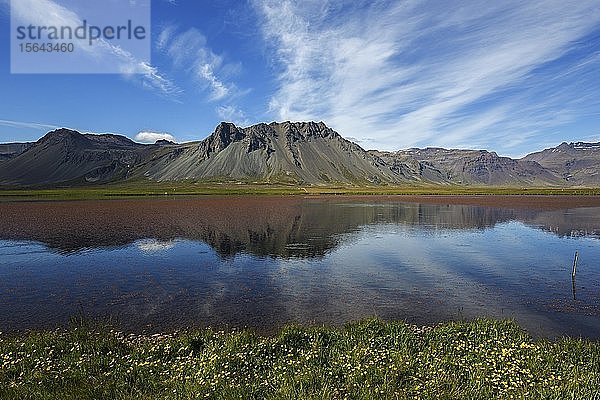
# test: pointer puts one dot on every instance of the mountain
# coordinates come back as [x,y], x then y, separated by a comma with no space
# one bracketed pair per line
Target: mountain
[11,150]
[67,157]
[304,153]
[577,163]
[474,167]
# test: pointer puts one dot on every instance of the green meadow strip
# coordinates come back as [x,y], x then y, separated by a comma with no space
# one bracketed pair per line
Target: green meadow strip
[371,359]
[163,189]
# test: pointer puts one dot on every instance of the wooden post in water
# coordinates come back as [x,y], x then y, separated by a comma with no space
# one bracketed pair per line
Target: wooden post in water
[573,275]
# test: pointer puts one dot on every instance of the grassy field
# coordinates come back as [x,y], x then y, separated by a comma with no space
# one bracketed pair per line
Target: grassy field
[371,359]
[162,189]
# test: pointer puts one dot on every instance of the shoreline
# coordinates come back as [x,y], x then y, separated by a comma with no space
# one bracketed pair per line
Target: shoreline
[432,194]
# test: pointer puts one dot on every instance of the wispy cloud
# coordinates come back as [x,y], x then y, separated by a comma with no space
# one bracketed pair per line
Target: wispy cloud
[400,74]
[190,52]
[233,114]
[27,125]
[50,13]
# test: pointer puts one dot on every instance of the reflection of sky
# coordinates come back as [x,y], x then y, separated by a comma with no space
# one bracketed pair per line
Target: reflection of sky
[154,246]
[510,270]
[420,273]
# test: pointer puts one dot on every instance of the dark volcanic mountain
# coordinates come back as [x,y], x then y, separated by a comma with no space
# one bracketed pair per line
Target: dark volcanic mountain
[11,150]
[305,152]
[577,163]
[65,156]
[298,152]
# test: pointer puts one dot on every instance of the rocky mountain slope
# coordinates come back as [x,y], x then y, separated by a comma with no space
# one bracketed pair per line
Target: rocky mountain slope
[474,167]
[65,156]
[577,163]
[298,153]
[278,152]
[11,150]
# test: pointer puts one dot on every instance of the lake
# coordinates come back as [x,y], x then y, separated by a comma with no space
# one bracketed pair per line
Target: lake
[151,265]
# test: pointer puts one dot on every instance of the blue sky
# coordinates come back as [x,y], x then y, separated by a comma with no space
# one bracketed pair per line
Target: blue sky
[509,76]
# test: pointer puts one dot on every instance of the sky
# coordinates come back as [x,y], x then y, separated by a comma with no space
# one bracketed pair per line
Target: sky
[508,76]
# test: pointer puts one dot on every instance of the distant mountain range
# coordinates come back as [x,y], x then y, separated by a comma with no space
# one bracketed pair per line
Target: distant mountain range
[288,152]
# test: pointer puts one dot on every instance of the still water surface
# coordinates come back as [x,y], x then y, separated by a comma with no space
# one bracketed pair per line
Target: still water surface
[260,262]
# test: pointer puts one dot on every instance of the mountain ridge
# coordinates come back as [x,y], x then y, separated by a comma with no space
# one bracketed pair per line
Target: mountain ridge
[577,162]
[283,152]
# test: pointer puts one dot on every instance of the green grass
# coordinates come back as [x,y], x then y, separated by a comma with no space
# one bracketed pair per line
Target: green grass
[169,189]
[483,359]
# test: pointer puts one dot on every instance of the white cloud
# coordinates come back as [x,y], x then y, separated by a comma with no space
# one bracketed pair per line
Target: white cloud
[164,37]
[424,72]
[190,52]
[151,137]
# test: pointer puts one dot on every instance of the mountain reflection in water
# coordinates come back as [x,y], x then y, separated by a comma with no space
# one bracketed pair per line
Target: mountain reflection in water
[263,226]
[260,262]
